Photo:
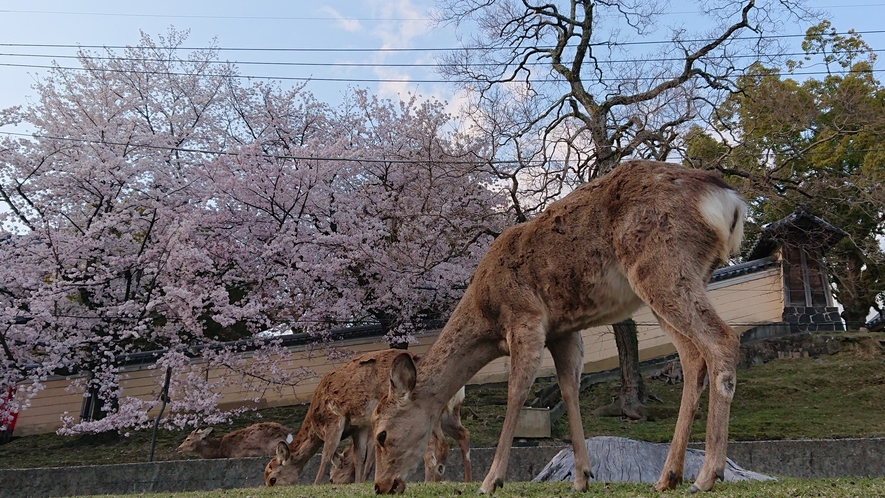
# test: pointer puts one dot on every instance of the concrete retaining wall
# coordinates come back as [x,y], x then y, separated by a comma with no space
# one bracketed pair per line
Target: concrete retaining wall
[802,458]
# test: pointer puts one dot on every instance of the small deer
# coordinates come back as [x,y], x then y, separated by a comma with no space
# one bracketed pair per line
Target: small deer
[256,440]
[647,232]
[342,471]
[341,407]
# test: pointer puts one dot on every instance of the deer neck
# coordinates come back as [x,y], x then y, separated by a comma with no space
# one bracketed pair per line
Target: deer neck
[463,347]
[209,448]
[305,443]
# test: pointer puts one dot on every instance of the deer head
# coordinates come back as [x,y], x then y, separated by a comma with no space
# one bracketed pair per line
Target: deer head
[395,413]
[194,440]
[282,469]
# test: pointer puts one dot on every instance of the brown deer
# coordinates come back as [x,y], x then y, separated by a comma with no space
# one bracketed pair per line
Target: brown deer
[256,440]
[435,456]
[341,407]
[343,471]
[647,232]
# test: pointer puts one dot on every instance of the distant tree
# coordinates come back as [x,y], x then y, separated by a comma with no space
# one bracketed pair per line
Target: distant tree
[817,142]
[566,90]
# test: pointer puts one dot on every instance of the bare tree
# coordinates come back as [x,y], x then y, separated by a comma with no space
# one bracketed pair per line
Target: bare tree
[564,90]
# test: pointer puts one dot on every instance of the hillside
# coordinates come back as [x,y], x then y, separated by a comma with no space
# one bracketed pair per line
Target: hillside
[825,396]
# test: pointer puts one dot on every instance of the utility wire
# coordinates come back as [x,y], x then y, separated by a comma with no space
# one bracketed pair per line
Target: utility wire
[373,64]
[391,80]
[325,158]
[393,49]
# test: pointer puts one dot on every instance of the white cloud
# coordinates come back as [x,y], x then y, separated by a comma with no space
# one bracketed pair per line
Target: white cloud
[349,25]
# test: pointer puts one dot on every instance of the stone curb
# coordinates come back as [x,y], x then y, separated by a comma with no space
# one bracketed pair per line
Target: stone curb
[793,458]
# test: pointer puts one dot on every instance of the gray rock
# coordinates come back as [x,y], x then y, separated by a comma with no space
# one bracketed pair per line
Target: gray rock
[618,459]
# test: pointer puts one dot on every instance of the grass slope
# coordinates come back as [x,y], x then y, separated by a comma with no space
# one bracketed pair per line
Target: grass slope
[829,397]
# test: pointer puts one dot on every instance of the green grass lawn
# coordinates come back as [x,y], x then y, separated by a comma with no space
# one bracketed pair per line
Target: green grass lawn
[785,488]
[830,397]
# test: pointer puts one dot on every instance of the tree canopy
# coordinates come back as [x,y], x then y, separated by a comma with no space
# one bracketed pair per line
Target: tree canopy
[161,204]
[816,142]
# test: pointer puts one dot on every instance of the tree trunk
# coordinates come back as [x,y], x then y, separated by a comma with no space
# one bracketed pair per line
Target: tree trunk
[631,400]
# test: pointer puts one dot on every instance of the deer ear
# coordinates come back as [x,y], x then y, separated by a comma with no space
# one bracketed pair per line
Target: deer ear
[337,457]
[282,452]
[402,377]
[202,433]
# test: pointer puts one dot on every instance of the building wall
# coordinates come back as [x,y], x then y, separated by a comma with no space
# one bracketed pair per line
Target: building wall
[743,302]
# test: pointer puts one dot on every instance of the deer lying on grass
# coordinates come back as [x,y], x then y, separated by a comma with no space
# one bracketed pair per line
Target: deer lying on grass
[435,456]
[256,440]
[647,232]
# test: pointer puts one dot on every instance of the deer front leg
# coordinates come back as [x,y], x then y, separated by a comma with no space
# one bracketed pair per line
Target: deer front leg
[451,424]
[332,436]
[568,357]
[694,373]
[370,457]
[525,358]
[360,443]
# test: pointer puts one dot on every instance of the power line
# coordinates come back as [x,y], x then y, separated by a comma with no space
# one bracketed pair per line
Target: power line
[265,156]
[369,64]
[205,16]
[401,49]
[317,158]
[310,18]
[392,80]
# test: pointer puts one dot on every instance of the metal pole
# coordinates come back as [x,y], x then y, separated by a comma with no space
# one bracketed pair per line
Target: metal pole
[164,396]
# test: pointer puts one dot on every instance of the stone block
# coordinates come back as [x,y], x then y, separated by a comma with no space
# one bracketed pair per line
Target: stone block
[533,423]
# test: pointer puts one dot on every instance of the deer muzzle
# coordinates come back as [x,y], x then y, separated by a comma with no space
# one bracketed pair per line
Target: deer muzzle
[394,487]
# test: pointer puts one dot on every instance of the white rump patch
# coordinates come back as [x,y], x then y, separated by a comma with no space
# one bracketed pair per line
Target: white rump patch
[718,207]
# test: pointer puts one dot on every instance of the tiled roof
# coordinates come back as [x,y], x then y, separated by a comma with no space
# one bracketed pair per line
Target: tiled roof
[877,324]
[744,268]
[799,224]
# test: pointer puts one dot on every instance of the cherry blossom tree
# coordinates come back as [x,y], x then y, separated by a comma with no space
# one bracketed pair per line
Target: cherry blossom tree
[411,212]
[161,205]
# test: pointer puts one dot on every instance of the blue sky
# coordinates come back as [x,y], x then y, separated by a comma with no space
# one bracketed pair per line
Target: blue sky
[261,24]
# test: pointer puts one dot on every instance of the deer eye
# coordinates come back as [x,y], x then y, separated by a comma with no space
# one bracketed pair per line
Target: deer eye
[381,437]
[273,480]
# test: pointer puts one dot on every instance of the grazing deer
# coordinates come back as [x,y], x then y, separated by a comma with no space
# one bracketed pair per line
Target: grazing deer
[647,232]
[342,471]
[256,440]
[341,407]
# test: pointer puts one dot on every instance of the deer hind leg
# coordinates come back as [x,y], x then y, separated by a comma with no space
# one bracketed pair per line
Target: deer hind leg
[568,357]
[451,425]
[526,346]
[684,306]
[331,439]
[694,371]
